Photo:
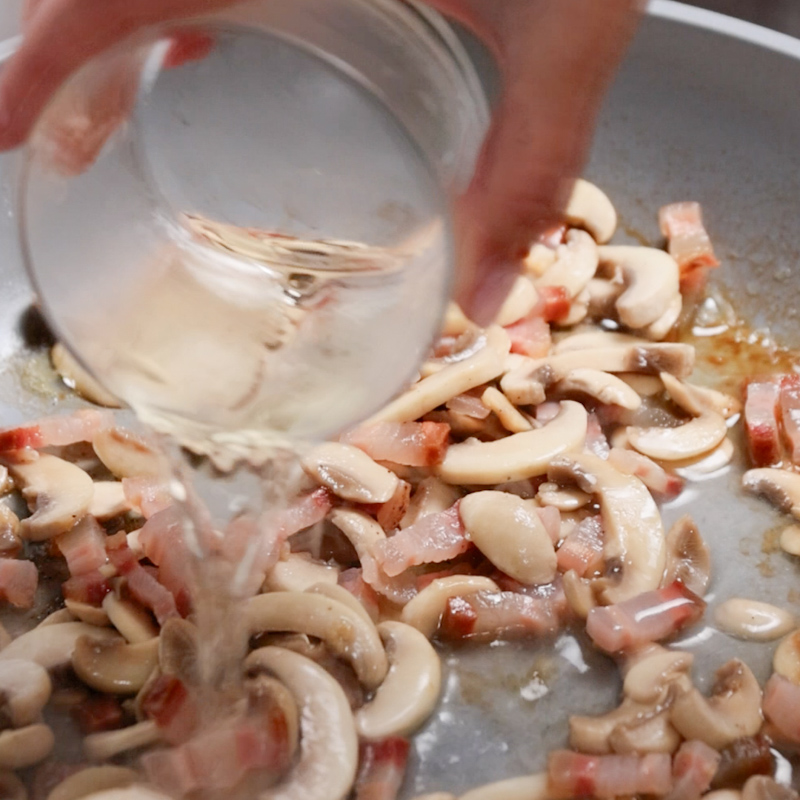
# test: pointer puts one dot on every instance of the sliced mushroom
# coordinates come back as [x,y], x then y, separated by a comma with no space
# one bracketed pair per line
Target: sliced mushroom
[130,619]
[519,456]
[91,615]
[698,400]
[539,260]
[643,385]
[409,694]
[114,667]
[695,469]
[59,493]
[178,650]
[106,745]
[781,487]
[658,330]
[328,758]
[589,208]
[430,497]
[10,541]
[361,530]
[57,618]
[455,321]
[297,572]
[425,611]
[602,386]
[578,310]
[51,646]
[786,660]
[652,282]
[127,455]
[24,747]
[435,390]
[732,711]
[78,379]
[652,733]
[108,501]
[790,540]
[752,620]
[526,787]
[649,678]
[575,265]
[339,593]
[525,381]
[564,499]
[510,533]
[272,700]
[690,440]
[634,535]
[762,787]
[350,473]
[510,418]
[345,632]
[24,691]
[592,734]
[688,557]
[518,303]
[591,338]
[11,787]
[579,594]
[92,780]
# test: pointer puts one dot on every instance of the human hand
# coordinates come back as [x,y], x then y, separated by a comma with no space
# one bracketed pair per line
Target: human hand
[556,58]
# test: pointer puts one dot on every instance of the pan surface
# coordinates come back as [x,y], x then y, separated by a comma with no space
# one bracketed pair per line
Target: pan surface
[705,108]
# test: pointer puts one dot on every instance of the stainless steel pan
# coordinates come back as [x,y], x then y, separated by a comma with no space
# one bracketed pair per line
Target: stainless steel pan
[705,108]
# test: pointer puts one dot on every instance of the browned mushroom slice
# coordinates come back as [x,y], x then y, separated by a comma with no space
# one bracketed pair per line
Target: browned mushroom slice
[688,557]
[781,487]
[350,473]
[114,667]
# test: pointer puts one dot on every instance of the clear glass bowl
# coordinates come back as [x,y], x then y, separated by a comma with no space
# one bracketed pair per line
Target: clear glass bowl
[347,120]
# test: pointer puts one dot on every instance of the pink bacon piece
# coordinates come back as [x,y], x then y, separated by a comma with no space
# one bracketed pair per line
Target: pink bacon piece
[761,421]
[577,775]
[790,414]
[147,495]
[353,581]
[652,475]
[596,441]
[18,582]
[781,705]
[648,617]
[693,768]
[412,444]
[430,540]
[57,431]
[687,239]
[84,547]
[168,702]
[382,769]
[582,550]
[530,337]
[90,588]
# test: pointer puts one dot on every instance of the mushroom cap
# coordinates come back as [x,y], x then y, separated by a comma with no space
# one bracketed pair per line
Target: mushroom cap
[590,208]
[24,747]
[52,646]
[24,689]
[114,667]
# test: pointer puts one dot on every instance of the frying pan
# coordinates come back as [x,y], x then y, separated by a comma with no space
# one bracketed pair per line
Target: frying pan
[705,108]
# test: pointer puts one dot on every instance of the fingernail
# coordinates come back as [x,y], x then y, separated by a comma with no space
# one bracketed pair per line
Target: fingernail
[488,294]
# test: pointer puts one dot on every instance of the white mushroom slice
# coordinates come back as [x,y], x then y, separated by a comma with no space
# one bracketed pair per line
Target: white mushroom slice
[78,379]
[350,473]
[732,711]
[57,618]
[92,780]
[408,695]
[652,733]
[752,620]
[786,659]
[578,311]
[526,787]
[576,264]
[127,455]
[602,296]
[657,330]
[424,612]
[698,400]
[24,747]
[649,679]
[781,487]
[510,533]
[24,691]
[518,303]
[690,440]
[106,745]
[361,530]
[688,557]
[602,386]
[345,632]
[435,390]
[590,208]
[59,493]
[643,385]
[539,260]
[298,572]
[708,464]
[108,500]
[597,339]
[328,758]
[652,281]
[430,497]
[455,321]
[9,528]
[510,418]
[634,534]
[591,734]
[91,615]
[131,620]
[579,594]
[52,646]
[524,384]
[519,456]
[339,593]
[564,499]
[114,667]
[790,540]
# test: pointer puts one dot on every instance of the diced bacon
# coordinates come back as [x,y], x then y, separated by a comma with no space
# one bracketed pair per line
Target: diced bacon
[175,574]
[551,519]
[90,588]
[582,550]
[502,615]
[412,444]
[554,303]
[390,514]
[18,582]
[693,768]
[162,532]
[58,431]
[761,422]
[170,771]
[596,441]
[462,568]
[648,617]
[83,547]
[687,240]
[97,713]
[577,775]
[781,705]
[353,581]
[469,405]
[147,495]
[382,769]
[306,511]
[745,757]
[652,475]
[531,336]
[790,414]
[169,704]
[430,540]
